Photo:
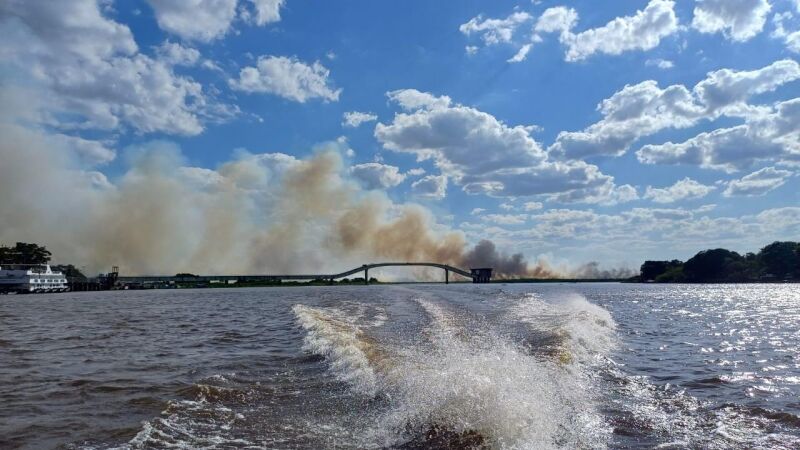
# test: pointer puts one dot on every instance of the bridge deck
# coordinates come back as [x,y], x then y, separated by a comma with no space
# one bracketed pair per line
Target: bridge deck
[209,278]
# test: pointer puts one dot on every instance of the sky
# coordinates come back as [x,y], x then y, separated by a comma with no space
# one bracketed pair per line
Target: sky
[566,132]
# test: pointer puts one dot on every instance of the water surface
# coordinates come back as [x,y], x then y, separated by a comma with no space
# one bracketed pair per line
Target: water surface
[404,367]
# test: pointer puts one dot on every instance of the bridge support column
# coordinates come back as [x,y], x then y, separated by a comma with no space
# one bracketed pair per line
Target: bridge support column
[366,276]
[446,276]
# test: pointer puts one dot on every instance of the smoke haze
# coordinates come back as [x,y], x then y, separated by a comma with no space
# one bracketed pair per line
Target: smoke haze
[268,213]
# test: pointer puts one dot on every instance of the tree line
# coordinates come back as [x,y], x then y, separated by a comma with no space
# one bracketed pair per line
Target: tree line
[779,261]
[33,254]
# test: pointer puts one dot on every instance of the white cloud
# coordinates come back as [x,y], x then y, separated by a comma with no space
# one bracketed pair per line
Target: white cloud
[89,66]
[471,49]
[176,54]
[506,206]
[521,54]
[416,172]
[757,183]
[557,19]
[354,119]
[642,31]
[685,189]
[265,11]
[739,20]
[412,99]
[200,20]
[533,206]
[289,78]
[649,228]
[431,186]
[660,63]
[791,39]
[770,136]
[377,176]
[495,31]
[644,109]
[477,211]
[484,155]
[505,219]
[206,20]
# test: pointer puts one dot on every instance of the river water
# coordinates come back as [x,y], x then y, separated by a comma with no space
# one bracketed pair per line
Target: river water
[404,367]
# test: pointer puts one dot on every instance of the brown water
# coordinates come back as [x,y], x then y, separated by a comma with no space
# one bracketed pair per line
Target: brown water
[421,366]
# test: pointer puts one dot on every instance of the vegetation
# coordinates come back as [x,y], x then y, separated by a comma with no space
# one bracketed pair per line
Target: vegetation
[70,271]
[23,253]
[779,261]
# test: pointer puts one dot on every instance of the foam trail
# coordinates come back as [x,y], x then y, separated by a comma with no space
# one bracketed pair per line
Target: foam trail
[473,381]
[352,355]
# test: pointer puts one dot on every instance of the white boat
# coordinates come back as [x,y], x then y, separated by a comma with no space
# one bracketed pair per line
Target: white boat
[30,278]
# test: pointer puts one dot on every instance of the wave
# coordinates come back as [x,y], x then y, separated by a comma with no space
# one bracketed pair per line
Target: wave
[463,386]
[352,354]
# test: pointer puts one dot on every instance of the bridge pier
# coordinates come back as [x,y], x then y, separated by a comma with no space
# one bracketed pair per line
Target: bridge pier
[446,276]
[366,276]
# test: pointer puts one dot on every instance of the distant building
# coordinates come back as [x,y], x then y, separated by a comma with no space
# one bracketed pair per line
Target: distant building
[481,275]
[26,278]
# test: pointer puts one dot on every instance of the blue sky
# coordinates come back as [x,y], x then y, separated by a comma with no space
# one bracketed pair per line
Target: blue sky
[695,147]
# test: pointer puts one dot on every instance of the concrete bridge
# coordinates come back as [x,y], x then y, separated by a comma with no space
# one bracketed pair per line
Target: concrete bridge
[479,275]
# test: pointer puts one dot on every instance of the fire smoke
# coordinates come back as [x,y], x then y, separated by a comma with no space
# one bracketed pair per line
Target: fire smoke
[255,214]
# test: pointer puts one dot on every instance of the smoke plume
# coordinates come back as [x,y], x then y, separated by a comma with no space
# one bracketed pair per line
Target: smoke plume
[269,213]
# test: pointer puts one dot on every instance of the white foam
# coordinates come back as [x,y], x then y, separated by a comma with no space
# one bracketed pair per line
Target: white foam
[342,343]
[474,381]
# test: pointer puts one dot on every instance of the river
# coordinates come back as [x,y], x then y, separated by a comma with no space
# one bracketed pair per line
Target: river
[404,367]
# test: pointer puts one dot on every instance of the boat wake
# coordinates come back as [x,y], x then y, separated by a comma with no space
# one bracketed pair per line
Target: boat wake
[465,383]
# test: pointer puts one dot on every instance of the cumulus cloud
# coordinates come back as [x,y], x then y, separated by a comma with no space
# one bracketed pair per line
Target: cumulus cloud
[739,20]
[289,78]
[790,38]
[176,54]
[485,156]
[532,206]
[521,54]
[206,20]
[201,20]
[757,183]
[264,11]
[505,219]
[639,233]
[495,31]
[377,175]
[557,19]
[660,63]
[644,109]
[770,136]
[354,119]
[431,186]
[685,189]
[90,67]
[642,31]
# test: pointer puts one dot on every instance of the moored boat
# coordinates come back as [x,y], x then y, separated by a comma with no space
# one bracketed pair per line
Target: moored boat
[31,278]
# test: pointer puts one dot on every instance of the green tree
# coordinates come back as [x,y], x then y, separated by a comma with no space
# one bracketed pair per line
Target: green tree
[651,270]
[24,253]
[711,265]
[780,259]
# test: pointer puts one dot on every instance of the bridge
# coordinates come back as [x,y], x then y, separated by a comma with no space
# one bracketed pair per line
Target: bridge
[479,275]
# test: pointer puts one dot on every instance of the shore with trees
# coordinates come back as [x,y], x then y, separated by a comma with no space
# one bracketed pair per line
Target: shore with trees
[777,262]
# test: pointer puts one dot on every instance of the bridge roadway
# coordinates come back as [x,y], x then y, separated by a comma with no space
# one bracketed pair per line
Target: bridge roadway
[330,277]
